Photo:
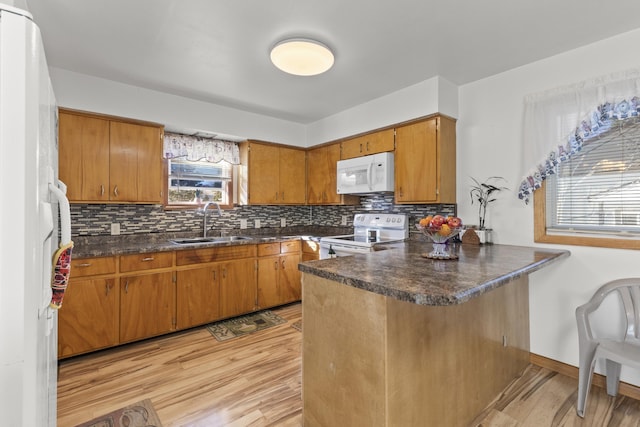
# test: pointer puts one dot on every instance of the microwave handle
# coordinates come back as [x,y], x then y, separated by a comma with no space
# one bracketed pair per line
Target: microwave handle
[370,176]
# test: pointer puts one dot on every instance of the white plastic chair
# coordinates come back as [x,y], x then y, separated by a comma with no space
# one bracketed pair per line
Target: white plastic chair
[624,351]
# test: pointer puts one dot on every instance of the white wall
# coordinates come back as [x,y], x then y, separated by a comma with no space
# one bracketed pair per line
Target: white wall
[489,143]
[88,93]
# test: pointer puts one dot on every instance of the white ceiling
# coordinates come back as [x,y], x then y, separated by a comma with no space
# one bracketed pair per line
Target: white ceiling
[218,50]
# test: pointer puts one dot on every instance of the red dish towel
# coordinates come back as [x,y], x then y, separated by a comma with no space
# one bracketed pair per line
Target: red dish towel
[60,274]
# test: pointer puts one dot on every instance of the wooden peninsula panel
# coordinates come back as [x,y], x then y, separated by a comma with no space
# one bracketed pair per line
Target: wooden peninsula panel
[372,360]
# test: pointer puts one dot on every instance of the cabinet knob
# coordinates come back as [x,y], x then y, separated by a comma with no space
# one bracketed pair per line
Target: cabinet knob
[86,264]
[147,259]
[126,287]
[283,264]
[101,190]
[115,191]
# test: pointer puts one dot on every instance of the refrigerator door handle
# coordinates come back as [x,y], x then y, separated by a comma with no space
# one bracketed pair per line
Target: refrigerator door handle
[62,257]
[65,211]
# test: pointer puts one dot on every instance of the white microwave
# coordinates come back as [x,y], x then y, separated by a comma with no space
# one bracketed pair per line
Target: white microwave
[367,174]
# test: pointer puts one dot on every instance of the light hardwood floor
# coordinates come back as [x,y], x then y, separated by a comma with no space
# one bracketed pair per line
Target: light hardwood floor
[194,380]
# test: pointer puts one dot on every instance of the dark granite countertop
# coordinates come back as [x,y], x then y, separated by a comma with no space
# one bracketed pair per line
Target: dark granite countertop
[402,273]
[96,246]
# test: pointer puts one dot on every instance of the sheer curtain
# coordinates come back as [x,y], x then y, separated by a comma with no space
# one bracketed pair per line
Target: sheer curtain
[558,122]
[196,148]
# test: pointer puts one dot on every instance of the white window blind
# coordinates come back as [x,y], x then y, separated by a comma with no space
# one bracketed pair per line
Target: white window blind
[597,191]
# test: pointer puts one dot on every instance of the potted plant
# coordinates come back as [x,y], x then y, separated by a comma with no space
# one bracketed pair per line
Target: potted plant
[484,193]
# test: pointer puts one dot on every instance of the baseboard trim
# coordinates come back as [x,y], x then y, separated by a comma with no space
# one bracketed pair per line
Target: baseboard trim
[571,371]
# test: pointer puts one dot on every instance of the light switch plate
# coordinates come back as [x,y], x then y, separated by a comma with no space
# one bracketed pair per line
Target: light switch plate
[344,220]
[115,229]
[257,223]
[283,222]
[243,224]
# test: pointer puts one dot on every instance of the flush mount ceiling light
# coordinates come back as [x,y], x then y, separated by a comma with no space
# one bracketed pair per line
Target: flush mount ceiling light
[302,57]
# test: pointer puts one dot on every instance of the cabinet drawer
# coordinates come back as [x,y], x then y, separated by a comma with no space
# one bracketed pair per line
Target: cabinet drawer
[289,247]
[146,261]
[265,249]
[198,256]
[92,266]
[310,247]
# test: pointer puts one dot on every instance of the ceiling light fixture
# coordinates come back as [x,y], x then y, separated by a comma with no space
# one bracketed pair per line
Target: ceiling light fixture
[302,57]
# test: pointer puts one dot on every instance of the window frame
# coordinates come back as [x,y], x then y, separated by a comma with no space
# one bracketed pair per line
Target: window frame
[540,229]
[177,206]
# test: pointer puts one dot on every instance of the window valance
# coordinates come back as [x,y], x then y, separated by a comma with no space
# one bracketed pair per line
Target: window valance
[197,148]
[558,123]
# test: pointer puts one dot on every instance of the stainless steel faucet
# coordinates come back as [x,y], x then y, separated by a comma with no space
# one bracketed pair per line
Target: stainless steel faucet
[204,211]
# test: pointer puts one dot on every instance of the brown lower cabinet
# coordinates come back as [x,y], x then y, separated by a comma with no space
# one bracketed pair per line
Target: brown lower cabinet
[278,274]
[147,306]
[238,292]
[88,319]
[198,296]
[120,299]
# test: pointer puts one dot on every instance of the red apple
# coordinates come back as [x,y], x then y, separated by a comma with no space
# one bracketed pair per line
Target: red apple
[437,221]
[454,222]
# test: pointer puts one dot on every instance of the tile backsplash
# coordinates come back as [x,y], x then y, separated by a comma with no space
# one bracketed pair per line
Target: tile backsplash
[96,220]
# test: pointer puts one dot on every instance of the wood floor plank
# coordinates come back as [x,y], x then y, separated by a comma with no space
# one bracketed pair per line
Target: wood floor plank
[255,380]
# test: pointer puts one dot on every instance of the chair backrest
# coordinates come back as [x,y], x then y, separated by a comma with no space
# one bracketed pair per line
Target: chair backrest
[629,292]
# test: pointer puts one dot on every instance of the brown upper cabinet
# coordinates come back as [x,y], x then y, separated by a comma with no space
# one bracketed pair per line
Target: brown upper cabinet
[372,143]
[271,174]
[425,161]
[321,177]
[103,160]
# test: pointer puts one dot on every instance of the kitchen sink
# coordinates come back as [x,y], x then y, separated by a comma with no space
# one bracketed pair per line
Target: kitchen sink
[209,240]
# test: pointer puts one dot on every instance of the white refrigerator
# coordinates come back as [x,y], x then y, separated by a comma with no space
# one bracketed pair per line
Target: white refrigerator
[29,224]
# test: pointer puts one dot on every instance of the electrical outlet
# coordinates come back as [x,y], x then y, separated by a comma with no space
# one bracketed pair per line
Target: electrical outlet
[115,229]
[257,223]
[283,222]
[344,220]
[243,224]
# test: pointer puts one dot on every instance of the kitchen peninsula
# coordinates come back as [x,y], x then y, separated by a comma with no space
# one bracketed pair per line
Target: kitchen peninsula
[394,339]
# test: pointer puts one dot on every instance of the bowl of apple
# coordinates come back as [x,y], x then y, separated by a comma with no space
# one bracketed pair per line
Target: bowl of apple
[439,229]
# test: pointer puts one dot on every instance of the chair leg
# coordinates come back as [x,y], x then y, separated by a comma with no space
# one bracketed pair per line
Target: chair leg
[613,377]
[584,383]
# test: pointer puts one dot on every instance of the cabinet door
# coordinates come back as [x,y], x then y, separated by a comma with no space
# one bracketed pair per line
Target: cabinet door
[371,143]
[147,305]
[198,296]
[317,175]
[331,183]
[123,169]
[263,174]
[379,142]
[84,157]
[416,162]
[292,176]
[238,287]
[150,184]
[88,319]
[268,271]
[289,284]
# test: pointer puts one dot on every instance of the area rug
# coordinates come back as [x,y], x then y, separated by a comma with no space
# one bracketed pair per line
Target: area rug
[140,414]
[297,325]
[243,325]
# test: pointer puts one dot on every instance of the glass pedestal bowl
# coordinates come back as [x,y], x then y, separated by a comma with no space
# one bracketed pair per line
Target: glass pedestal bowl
[441,249]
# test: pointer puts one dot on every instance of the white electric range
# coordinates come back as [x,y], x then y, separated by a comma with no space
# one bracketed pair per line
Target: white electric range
[369,230]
